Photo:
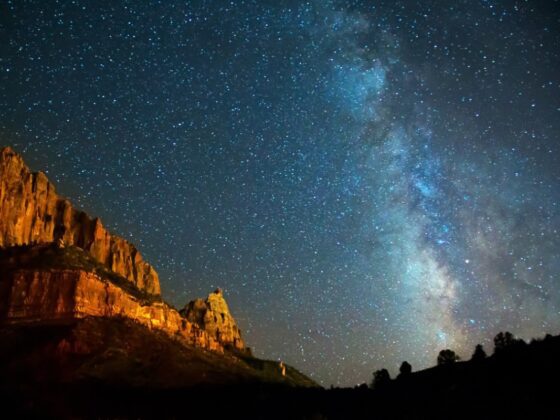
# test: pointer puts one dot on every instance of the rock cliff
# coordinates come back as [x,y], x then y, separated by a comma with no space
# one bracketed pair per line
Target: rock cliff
[57,264]
[58,295]
[31,212]
[213,316]
[46,283]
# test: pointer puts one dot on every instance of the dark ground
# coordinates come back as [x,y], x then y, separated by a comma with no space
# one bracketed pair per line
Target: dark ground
[117,369]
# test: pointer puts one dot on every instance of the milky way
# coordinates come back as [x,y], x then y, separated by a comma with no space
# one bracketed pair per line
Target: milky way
[368,181]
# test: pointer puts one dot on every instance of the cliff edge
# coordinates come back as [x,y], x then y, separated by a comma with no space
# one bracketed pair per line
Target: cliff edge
[31,212]
[59,264]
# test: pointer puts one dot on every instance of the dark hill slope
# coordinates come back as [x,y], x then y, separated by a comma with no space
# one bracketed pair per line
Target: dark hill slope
[108,367]
[121,352]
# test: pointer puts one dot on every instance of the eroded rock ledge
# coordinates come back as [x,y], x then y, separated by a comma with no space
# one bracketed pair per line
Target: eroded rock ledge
[214,317]
[51,295]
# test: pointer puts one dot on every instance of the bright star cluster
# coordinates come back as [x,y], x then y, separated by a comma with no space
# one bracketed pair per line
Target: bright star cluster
[368,181]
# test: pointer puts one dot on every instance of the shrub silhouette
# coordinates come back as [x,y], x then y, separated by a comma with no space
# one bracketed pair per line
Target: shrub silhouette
[405,370]
[479,353]
[381,379]
[447,357]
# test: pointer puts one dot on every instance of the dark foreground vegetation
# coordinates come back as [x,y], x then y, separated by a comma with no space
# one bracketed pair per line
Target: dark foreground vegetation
[518,380]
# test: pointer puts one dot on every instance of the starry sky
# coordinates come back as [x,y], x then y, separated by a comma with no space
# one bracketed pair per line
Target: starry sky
[368,181]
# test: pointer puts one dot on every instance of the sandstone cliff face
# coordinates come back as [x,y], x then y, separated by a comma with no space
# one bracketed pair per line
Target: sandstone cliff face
[32,212]
[50,295]
[213,316]
[71,267]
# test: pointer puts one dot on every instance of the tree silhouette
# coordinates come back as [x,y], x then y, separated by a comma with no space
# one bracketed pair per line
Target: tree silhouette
[405,370]
[447,357]
[381,379]
[502,341]
[506,343]
[479,353]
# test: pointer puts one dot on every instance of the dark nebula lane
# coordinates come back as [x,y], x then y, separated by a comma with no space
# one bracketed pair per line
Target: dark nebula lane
[368,181]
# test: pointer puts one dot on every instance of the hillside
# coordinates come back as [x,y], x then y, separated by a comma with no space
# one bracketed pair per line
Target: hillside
[111,366]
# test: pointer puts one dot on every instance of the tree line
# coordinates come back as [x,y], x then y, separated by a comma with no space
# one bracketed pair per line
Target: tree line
[504,342]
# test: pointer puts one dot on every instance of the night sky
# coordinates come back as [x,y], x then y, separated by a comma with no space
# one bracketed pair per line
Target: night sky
[368,181]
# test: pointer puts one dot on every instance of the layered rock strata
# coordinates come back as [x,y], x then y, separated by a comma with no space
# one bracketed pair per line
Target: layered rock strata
[32,212]
[32,296]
